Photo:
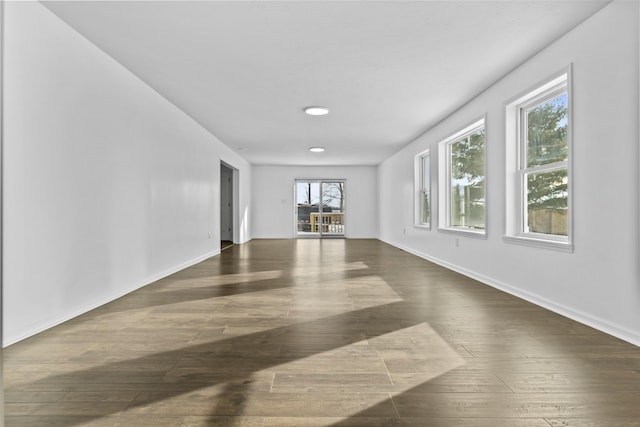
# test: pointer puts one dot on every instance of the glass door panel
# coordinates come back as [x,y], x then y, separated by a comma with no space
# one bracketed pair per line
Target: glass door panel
[332,208]
[307,208]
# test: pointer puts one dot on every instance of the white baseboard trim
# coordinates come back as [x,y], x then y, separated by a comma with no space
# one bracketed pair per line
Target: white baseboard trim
[179,267]
[602,325]
[50,323]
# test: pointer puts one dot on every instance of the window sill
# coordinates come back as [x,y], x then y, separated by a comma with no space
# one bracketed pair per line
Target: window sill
[422,226]
[478,234]
[540,243]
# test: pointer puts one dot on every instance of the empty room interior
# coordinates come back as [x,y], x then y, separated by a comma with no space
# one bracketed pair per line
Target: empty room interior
[320,213]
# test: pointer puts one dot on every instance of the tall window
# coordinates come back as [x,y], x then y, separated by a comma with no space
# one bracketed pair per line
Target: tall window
[462,180]
[540,178]
[422,184]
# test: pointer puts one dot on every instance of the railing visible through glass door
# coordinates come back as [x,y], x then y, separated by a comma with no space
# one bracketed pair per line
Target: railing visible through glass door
[320,208]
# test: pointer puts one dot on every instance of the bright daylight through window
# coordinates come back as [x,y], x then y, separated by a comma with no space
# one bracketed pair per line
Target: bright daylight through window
[462,180]
[422,184]
[538,128]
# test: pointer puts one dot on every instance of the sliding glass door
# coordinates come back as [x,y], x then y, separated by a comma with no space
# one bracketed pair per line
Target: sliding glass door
[320,208]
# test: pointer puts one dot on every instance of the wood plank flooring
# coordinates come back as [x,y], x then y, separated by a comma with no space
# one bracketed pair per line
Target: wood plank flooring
[318,333]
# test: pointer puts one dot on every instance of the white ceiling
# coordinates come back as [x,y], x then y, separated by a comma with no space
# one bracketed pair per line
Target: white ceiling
[388,70]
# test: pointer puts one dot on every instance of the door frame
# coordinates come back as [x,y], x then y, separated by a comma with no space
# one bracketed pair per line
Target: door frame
[230,200]
[235,202]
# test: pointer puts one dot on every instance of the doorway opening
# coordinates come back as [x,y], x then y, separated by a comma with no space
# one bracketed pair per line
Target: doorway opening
[320,208]
[226,206]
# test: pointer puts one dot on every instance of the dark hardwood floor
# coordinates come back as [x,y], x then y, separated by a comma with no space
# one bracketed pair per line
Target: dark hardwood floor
[284,333]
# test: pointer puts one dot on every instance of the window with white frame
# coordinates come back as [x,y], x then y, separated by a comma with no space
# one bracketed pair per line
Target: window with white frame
[462,180]
[422,185]
[538,169]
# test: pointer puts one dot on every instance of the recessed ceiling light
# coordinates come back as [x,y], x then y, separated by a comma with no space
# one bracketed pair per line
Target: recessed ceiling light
[316,149]
[316,111]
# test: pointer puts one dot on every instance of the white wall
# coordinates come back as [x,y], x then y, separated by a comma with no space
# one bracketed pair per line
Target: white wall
[108,186]
[1,187]
[599,283]
[273,199]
